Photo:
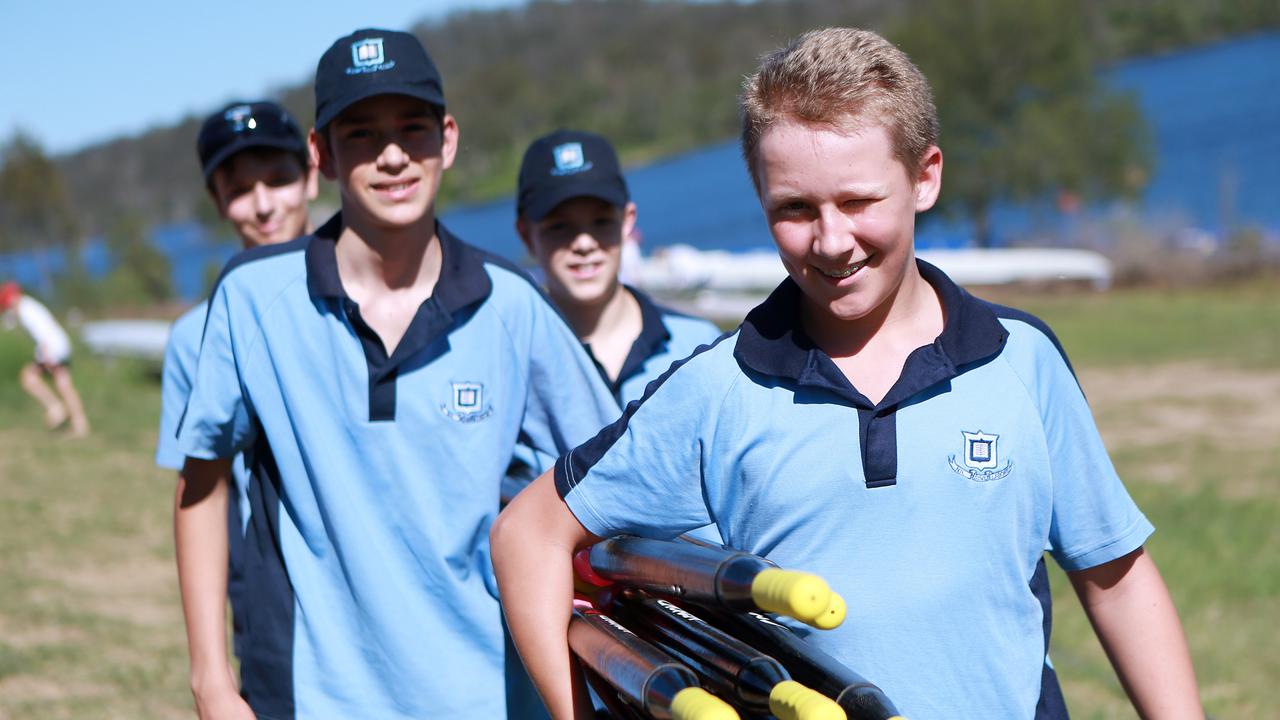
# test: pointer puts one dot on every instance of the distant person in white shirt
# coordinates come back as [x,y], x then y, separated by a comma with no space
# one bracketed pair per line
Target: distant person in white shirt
[53,357]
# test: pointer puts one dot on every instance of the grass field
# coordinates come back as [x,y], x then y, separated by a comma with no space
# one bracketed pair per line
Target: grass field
[1186,387]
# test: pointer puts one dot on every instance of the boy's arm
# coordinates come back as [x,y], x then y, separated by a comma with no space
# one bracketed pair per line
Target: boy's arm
[533,542]
[1134,617]
[200,538]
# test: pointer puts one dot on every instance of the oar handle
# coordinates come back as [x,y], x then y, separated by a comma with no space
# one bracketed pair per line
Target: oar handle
[803,596]
[790,700]
[831,618]
[694,703]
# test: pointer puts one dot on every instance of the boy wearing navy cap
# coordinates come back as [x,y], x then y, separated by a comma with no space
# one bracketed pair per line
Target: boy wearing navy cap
[258,172]
[376,374]
[873,423]
[574,210]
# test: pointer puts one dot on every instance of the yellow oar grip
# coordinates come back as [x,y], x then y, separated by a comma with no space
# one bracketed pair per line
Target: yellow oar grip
[833,615]
[790,700]
[694,703]
[788,592]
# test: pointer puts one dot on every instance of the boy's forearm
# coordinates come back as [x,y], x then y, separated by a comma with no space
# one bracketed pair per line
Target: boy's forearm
[533,543]
[1135,620]
[200,540]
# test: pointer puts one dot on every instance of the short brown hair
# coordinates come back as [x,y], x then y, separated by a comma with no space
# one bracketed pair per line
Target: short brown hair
[845,78]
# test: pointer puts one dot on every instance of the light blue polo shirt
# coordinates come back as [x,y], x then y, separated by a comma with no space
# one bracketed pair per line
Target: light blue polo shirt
[929,511]
[375,478]
[180,354]
[665,337]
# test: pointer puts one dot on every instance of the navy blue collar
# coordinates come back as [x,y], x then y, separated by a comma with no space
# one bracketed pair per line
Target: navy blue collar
[772,342]
[463,280]
[653,336]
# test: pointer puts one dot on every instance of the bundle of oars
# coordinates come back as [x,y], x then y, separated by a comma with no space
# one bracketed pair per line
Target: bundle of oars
[682,629]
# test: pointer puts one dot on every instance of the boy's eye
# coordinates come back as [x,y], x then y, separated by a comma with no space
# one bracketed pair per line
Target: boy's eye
[357,133]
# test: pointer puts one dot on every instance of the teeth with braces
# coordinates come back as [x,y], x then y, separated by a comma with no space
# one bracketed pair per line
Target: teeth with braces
[845,272]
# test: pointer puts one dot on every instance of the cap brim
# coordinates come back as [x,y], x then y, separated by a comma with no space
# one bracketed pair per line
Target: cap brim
[335,109]
[542,205]
[245,142]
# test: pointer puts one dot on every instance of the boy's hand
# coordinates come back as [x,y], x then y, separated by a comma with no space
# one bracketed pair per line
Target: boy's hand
[225,704]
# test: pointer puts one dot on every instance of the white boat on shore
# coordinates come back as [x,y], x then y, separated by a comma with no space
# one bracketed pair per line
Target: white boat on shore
[722,285]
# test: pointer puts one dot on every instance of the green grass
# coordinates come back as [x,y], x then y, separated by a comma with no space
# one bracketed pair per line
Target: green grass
[1239,325]
[90,624]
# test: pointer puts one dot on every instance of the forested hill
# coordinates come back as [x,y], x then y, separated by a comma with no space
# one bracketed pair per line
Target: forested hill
[657,77]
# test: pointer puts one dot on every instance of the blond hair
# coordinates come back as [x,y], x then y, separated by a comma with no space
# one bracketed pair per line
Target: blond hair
[844,78]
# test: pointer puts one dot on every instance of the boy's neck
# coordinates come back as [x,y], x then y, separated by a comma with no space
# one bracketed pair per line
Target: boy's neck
[610,328]
[372,259]
[872,350]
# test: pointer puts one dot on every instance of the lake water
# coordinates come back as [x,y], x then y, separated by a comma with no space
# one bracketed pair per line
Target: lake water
[1215,123]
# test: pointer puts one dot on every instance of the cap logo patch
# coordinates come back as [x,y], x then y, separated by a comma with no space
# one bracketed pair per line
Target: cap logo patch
[980,457]
[368,55]
[569,159]
[240,117]
[468,403]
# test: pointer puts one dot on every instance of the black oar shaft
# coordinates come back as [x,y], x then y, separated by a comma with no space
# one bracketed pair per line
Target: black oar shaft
[729,666]
[860,698]
[642,674]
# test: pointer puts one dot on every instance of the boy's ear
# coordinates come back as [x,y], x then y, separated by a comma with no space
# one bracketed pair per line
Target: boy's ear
[523,227]
[928,179]
[313,180]
[449,140]
[213,197]
[629,217]
[321,157]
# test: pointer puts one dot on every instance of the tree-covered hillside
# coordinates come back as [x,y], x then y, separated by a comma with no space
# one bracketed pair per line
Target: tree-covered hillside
[656,76]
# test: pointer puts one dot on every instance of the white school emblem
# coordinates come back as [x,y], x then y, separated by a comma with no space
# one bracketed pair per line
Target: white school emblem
[981,458]
[368,56]
[569,159]
[468,403]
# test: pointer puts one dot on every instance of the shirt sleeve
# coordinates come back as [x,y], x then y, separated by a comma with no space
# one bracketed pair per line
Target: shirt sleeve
[644,474]
[217,422]
[1094,519]
[175,387]
[567,401]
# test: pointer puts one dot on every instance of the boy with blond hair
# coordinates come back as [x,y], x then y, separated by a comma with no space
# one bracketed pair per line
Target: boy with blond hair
[874,423]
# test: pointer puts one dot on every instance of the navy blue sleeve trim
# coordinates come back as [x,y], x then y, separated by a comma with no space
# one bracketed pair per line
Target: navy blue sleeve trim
[1009,313]
[574,465]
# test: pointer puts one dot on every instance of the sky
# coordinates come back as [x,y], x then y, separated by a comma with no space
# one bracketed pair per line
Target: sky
[83,71]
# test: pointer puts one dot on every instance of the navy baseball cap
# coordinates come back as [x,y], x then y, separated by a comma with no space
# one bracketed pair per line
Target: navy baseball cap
[372,62]
[243,125]
[568,164]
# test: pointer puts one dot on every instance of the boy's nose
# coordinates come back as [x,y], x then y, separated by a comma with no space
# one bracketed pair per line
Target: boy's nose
[833,234]
[393,157]
[261,199]
[583,242]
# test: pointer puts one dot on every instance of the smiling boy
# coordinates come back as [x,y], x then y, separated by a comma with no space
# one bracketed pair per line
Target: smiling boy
[874,423]
[259,176]
[573,213]
[376,375]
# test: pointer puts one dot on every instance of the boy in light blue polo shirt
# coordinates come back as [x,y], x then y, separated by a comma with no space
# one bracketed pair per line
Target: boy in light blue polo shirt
[573,213]
[259,175]
[873,423]
[376,376]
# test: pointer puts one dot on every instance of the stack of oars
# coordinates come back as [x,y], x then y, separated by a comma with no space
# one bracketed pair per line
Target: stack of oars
[681,629]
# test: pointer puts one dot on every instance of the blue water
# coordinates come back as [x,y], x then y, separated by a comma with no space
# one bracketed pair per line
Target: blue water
[1214,117]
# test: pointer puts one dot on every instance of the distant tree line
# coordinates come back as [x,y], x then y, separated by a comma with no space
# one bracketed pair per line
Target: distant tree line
[1014,82]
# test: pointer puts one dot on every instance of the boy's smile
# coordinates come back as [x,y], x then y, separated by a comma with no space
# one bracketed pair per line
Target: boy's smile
[842,210]
[388,154]
[579,243]
[264,195]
